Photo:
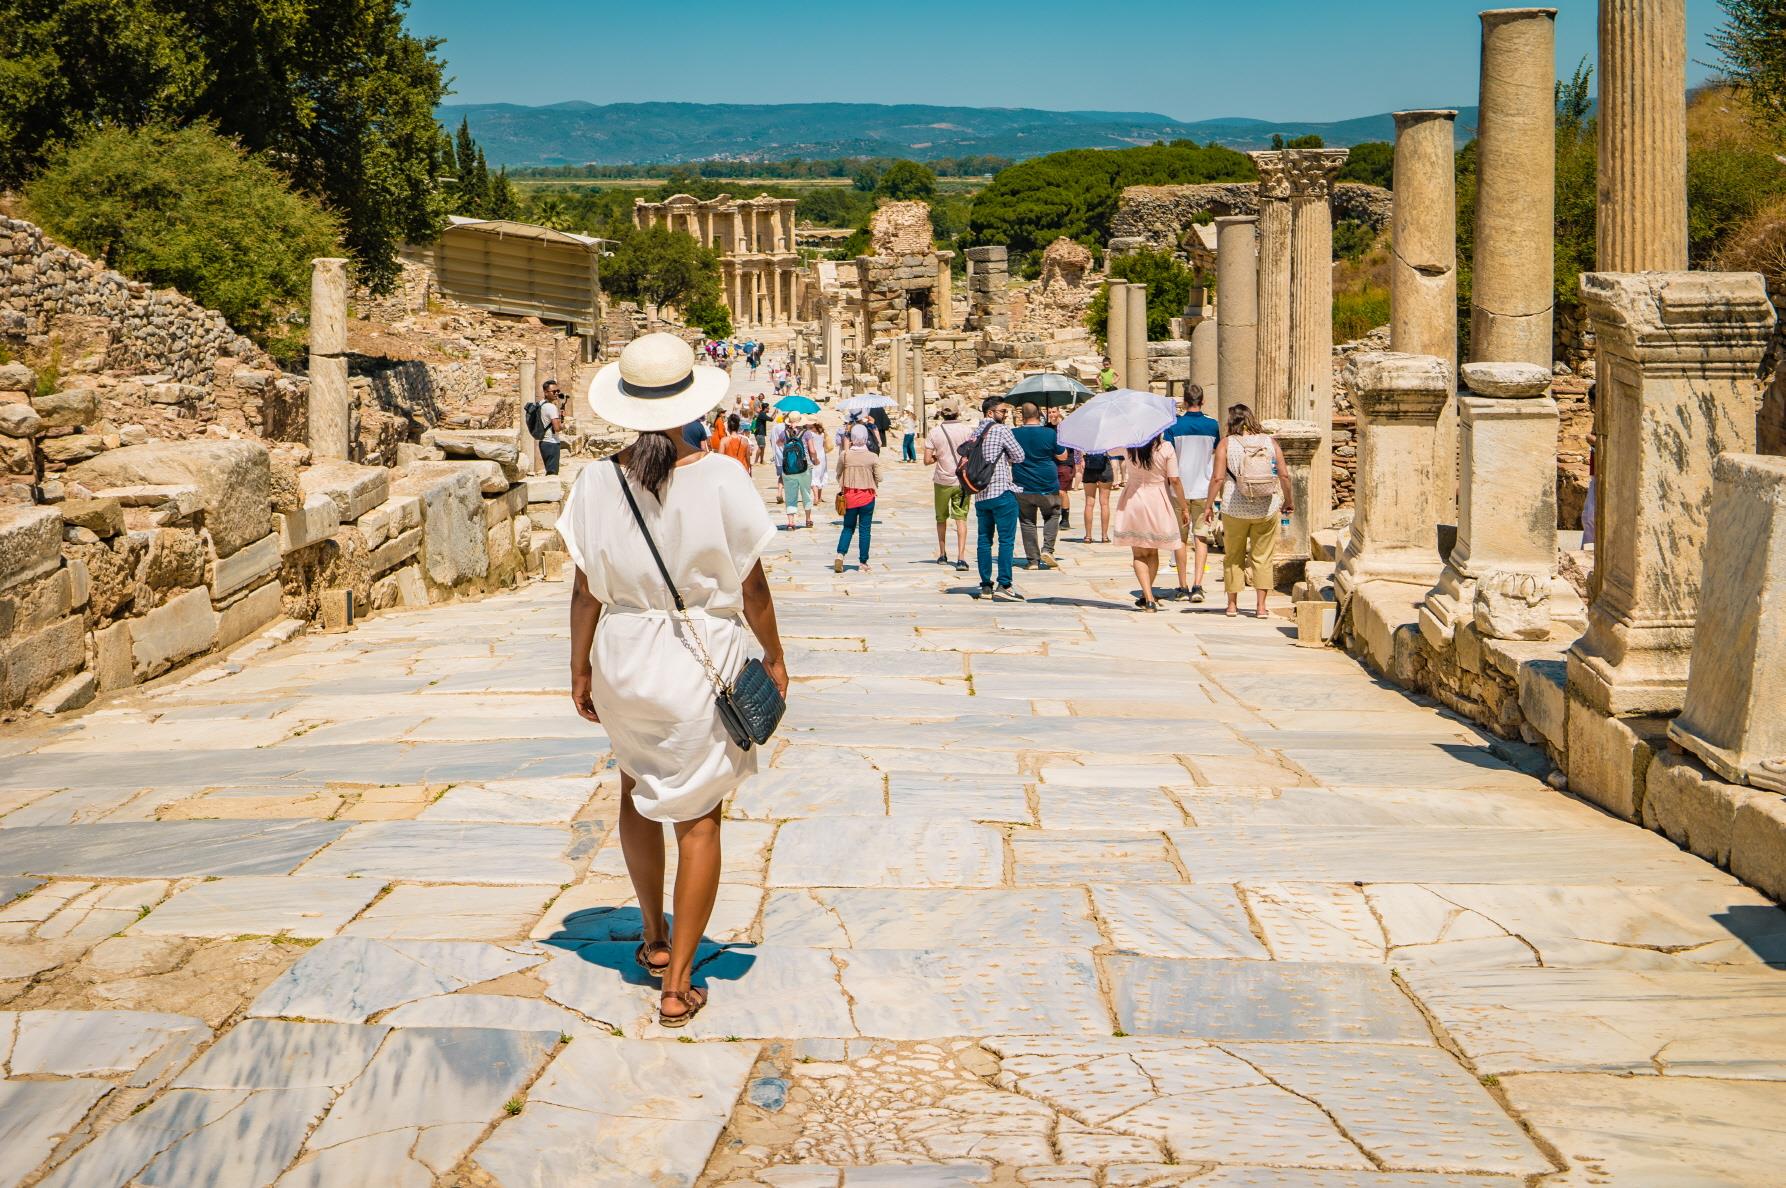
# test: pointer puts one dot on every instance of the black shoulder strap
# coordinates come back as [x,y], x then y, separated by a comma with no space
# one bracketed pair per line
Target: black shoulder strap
[639,519]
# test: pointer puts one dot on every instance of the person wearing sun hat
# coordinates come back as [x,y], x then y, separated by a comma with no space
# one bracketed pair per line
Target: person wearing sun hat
[632,669]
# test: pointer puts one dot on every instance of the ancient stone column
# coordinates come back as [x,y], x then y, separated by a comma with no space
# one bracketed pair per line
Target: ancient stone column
[1507,499]
[896,364]
[1116,332]
[526,389]
[1732,718]
[1311,311]
[1423,267]
[1237,310]
[1394,525]
[1642,122]
[1681,353]
[1140,376]
[944,301]
[833,350]
[330,405]
[1272,369]
[1206,359]
[1511,298]
[1299,440]
[915,374]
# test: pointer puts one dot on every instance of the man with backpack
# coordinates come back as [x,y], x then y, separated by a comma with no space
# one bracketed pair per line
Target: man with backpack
[795,465]
[984,470]
[544,422]
[942,451]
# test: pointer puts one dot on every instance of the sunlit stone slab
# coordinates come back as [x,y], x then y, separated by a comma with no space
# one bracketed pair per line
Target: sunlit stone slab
[872,918]
[348,979]
[445,911]
[1056,856]
[275,1054]
[170,849]
[1261,1000]
[903,994]
[1092,807]
[34,1115]
[97,1043]
[263,905]
[894,852]
[448,852]
[810,792]
[1178,921]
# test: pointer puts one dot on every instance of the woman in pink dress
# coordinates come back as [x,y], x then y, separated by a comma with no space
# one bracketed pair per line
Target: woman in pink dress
[1149,512]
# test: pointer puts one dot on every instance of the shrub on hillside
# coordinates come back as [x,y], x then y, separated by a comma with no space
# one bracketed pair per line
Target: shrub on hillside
[906,181]
[190,210]
[1372,163]
[1169,283]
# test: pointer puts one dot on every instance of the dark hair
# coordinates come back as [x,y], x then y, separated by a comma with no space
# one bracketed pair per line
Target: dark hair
[951,413]
[1143,455]
[733,423]
[990,403]
[1242,422]
[551,383]
[650,461]
[1193,395]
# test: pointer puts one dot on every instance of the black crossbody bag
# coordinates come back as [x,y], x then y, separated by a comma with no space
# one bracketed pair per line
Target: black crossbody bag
[751,707]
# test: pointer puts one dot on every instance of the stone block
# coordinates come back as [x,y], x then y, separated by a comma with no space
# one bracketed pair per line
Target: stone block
[312,523]
[1512,606]
[1543,701]
[497,509]
[1609,758]
[18,458]
[112,664]
[80,582]
[176,559]
[16,377]
[67,410]
[32,663]
[32,606]
[233,479]
[1758,845]
[103,517]
[1691,807]
[1467,647]
[490,476]
[71,694]
[76,447]
[355,490]
[245,566]
[453,548]
[248,613]
[411,590]
[543,516]
[553,564]
[394,552]
[459,444]
[19,420]
[1314,623]
[545,488]
[185,626]
[286,493]
[499,541]
[337,608]
[30,543]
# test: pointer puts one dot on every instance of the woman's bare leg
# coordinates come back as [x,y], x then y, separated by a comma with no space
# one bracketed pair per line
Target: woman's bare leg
[642,844]
[697,886]
[1138,561]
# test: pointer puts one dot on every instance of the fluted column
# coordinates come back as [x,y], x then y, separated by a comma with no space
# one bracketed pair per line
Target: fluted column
[1423,268]
[1116,331]
[1272,370]
[1237,312]
[1643,136]
[1311,311]
[1511,293]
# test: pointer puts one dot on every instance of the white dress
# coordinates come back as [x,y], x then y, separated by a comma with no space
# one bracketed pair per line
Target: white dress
[653,696]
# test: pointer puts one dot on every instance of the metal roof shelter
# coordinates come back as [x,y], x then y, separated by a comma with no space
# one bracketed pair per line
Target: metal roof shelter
[518,268]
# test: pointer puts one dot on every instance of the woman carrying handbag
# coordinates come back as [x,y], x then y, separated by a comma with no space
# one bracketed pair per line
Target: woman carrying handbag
[674,646]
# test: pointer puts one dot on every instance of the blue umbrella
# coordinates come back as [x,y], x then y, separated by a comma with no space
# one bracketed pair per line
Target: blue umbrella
[797,404]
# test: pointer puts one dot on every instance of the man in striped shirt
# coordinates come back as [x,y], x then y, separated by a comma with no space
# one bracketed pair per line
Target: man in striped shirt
[996,506]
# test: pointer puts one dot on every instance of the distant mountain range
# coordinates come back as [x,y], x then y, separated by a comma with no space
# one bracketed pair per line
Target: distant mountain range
[578,133]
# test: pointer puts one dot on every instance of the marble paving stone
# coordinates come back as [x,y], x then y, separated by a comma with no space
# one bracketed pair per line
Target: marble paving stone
[1293,1177]
[997,799]
[1098,778]
[605,909]
[34,1117]
[744,853]
[445,911]
[1728,1023]
[1259,688]
[80,911]
[1657,1132]
[349,978]
[275,1054]
[895,852]
[448,852]
[872,918]
[958,760]
[172,849]
[11,889]
[1403,855]
[99,1043]
[1093,808]
[1317,922]
[501,1011]
[902,994]
[619,1112]
[1443,766]
[443,1084]
[1534,808]
[809,792]
[383,1159]
[517,802]
[1177,921]
[1258,1000]
[1055,856]
[1412,1109]
[260,906]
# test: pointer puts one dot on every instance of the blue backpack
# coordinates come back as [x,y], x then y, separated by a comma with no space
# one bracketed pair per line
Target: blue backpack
[793,456]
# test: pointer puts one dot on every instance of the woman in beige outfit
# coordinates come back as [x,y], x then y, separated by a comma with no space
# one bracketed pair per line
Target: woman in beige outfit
[1249,522]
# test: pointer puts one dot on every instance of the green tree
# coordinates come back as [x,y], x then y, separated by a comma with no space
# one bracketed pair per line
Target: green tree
[1169,283]
[1372,163]
[658,267]
[906,181]
[1752,40]
[188,209]
[336,93]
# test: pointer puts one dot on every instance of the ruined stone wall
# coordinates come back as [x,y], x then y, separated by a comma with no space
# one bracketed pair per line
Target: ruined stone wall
[1161,215]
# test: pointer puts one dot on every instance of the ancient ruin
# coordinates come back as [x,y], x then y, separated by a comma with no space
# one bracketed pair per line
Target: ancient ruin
[759,263]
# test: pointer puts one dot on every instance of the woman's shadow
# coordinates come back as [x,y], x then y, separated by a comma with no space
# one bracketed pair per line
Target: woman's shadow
[607,937]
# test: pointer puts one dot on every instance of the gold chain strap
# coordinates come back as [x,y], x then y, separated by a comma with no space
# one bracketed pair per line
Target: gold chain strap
[691,639]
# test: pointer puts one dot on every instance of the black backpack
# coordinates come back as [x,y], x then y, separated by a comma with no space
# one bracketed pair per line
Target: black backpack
[536,424]
[973,468]
[793,456]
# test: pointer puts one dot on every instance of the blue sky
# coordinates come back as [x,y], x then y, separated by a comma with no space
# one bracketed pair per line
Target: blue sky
[1189,59]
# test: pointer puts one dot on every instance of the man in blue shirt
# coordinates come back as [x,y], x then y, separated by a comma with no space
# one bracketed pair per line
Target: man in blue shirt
[1194,437]
[996,506]
[1038,486]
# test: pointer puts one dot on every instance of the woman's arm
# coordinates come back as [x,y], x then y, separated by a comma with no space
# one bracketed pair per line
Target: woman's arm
[585,612]
[1283,476]
[1218,471]
[759,612]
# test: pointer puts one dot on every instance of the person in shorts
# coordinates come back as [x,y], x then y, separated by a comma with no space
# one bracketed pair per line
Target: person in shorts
[942,449]
[1193,437]
[1097,474]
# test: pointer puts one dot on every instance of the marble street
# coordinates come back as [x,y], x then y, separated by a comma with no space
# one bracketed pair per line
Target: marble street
[1050,893]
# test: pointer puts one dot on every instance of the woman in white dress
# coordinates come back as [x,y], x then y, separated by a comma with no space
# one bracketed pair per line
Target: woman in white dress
[634,660]
[821,461]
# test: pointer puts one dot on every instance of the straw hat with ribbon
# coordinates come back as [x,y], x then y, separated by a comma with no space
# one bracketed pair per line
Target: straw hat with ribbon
[655,385]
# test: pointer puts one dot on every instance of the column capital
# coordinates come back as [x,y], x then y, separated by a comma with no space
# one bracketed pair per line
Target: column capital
[1311,171]
[1704,324]
[1274,173]
[1234,220]
[1298,439]
[1399,387]
[1404,119]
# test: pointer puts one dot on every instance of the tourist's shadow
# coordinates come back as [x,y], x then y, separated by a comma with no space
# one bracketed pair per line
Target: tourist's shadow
[608,937]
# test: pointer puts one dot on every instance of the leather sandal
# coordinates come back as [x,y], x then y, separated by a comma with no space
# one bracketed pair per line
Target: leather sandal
[642,957]
[692,1000]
